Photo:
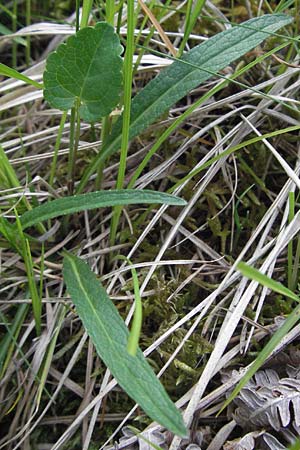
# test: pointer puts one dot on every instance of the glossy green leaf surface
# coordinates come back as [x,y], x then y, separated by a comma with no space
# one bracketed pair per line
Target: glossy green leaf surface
[92,200]
[109,334]
[196,66]
[87,67]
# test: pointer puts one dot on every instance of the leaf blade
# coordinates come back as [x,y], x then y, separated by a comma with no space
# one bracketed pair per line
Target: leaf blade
[254,274]
[109,335]
[174,82]
[278,336]
[89,67]
[92,200]
[12,73]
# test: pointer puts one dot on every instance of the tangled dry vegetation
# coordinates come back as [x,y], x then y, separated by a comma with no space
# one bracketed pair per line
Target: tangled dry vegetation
[203,323]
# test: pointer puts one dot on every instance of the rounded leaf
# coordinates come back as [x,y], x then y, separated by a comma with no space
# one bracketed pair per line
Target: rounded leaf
[88,68]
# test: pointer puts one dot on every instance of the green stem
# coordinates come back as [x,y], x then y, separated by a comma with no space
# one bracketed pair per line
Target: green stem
[105,126]
[86,10]
[71,147]
[126,114]
[110,12]
[119,20]
[28,22]
[191,18]
[77,9]
[74,138]
[14,29]
[56,148]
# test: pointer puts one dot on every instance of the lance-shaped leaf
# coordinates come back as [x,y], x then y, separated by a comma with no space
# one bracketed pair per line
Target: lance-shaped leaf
[87,67]
[109,334]
[92,200]
[196,66]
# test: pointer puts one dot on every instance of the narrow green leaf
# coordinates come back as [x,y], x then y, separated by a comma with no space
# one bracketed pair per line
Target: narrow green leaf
[6,32]
[92,200]
[136,323]
[185,74]
[110,335]
[7,343]
[12,73]
[256,275]
[277,337]
[87,67]
[134,336]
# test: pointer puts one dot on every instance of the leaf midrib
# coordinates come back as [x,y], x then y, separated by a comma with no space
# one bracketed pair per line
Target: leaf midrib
[77,275]
[182,80]
[90,65]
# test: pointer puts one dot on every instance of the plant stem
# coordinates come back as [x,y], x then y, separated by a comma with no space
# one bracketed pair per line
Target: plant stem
[86,10]
[126,114]
[74,140]
[36,300]
[77,9]
[71,147]
[191,18]
[14,29]
[105,126]
[28,22]
[56,148]
[110,12]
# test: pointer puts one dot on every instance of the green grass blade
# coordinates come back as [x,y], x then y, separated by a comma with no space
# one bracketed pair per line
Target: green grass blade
[26,253]
[136,324]
[7,343]
[256,275]
[288,324]
[192,17]
[12,73]
[92,200]
[183,75]
[128,58]
[109,334]
[295,445]
[233,149]
[134,336]
[6,32]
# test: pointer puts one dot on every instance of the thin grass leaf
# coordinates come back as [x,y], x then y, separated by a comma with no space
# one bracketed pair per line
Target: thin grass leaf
[26,253]
[256,275]
[185,74]
[109,334]
[92,200]
[7,343]
[6,32]
[288,324]
[134,336]
[136,324]
[12,73]
[233,149]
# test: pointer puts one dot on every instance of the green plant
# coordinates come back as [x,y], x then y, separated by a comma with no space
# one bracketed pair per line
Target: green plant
[289,323]
[185,74]
[84,75]
[110,337]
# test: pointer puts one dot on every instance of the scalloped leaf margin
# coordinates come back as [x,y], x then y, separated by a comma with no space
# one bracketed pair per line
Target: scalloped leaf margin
[87,68]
